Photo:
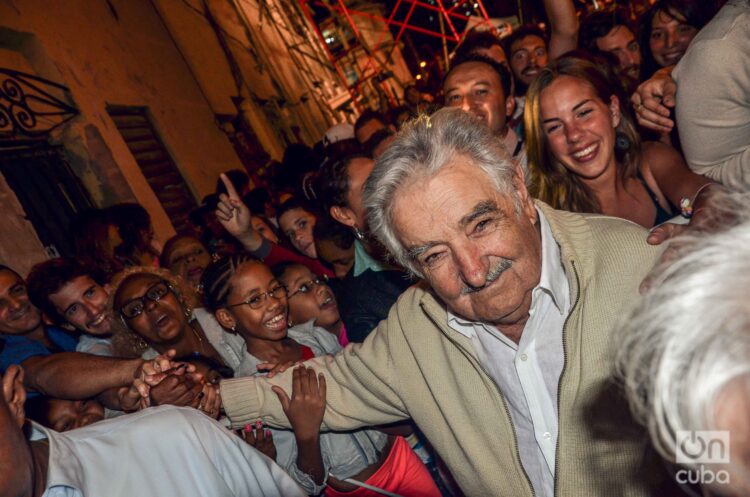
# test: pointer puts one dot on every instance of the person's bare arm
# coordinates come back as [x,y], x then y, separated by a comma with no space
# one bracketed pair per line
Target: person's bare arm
[675,181]
[75,375]
[563,26]
[671,175]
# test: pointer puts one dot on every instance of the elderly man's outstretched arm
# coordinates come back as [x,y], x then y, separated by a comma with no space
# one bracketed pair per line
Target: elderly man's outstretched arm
[362,388]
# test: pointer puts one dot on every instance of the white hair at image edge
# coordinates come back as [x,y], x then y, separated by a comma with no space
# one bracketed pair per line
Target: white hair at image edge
[689,335]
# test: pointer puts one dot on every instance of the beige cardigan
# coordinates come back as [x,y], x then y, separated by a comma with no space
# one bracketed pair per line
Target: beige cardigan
[414,365]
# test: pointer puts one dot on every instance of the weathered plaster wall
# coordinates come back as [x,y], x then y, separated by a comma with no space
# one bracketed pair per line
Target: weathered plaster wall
[276,96]
[121,56]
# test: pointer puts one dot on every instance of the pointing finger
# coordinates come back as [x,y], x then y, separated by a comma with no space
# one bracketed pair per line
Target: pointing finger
[229,186]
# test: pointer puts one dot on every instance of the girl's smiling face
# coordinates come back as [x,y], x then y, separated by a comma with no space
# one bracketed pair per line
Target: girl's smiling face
[256,304]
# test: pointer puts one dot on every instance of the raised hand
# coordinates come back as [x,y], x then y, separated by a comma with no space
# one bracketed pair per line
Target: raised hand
[234,216]
[260,439]
[308,403]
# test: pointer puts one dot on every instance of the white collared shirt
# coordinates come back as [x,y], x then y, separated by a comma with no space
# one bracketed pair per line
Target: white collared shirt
[159,451]
[528,373]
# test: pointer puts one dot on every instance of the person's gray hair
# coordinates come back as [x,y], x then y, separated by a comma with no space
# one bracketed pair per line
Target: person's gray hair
[422,149]
[688,338]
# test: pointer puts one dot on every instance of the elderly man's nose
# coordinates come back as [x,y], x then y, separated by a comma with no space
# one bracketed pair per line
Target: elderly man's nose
[473,268]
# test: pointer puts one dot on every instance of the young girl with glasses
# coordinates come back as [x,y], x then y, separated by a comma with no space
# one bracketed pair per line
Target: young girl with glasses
[310,298]
[249,300]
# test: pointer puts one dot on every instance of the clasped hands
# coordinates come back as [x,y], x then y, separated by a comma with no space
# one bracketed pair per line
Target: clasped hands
[162,380]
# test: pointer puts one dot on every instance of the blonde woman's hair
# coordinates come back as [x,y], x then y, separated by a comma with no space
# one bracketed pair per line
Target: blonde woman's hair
[551,182]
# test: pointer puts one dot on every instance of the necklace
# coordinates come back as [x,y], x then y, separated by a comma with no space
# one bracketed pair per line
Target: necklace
[198,337]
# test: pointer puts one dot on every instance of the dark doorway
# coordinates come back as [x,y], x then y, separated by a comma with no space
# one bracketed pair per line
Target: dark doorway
[49,192]
[155,162]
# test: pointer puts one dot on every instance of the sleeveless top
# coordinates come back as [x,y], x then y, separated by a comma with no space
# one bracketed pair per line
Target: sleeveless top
[662,215]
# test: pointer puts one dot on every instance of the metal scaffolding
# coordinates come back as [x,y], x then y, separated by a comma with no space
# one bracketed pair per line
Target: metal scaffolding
[452,18]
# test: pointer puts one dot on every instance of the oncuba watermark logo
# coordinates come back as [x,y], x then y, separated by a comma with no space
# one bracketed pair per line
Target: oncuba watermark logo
[702,451]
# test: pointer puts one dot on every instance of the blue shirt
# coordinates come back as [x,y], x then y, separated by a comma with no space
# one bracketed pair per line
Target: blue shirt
[16,349]
[363,261]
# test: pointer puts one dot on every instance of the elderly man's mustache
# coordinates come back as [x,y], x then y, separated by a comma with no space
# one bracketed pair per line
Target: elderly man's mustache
[492,275]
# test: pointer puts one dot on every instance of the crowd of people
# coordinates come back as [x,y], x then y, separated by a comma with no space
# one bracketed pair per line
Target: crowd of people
[467,295]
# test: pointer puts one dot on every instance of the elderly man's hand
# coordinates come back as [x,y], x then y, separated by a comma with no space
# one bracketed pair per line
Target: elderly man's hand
[664,232]
[653,99]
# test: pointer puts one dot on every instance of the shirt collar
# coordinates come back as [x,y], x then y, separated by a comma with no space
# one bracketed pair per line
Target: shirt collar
[363,261]
[64,469]
[552,279]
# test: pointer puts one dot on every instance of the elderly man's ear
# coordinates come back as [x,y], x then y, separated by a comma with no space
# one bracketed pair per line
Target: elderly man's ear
[14,393]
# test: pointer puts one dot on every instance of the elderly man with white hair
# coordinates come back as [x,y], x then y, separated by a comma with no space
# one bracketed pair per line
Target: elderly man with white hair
[685,356]
[504,355]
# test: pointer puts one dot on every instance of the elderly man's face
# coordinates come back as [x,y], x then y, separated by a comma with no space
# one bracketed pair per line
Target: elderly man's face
[480,256]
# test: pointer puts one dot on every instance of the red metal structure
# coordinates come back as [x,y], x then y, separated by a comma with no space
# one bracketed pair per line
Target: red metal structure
[452,22]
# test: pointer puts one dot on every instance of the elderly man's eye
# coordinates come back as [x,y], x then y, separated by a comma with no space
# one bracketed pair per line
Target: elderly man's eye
[432,259]
[482,225]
